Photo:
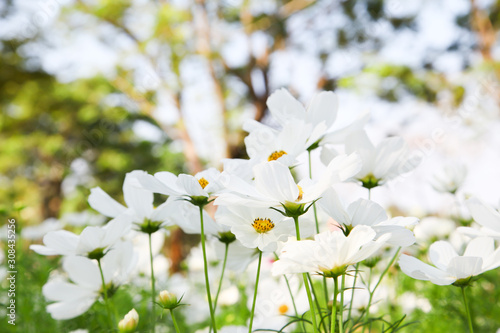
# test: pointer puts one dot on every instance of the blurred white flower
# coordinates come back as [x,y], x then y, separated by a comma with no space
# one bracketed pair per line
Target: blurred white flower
[330,253]
[433,228]
[38,231]
[389,159]
[450,179]
[75,298]
[479,256]
[409,302]
[366,212]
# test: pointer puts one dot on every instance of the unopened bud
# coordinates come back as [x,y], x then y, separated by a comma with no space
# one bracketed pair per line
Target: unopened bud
[168,300]
[129,323]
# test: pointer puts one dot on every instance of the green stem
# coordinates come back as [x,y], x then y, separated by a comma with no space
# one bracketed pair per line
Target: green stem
[205,268]
[221,276]
[334,303]
[255,293]
[306,283]
[153,293]
[341,319]
[105,292]
[352,291]
[372,292]
[469,318]
[174,321]
[291,296]
[315,298]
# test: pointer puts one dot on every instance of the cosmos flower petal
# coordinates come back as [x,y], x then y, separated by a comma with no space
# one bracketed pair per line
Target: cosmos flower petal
[484,214]
[274,180]
[83,272]
[464,267]
[62,290]
[104,204]
[331,204]
[162,212]
[398,236]
[480,247]
[190,185]
[323,107]
[283,106]
[422,271]
[366,212]
[441,253]
[70,309]
[60,242]
[136,197]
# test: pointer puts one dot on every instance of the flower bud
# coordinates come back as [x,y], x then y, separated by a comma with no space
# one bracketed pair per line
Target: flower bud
[168,300]
[129,323]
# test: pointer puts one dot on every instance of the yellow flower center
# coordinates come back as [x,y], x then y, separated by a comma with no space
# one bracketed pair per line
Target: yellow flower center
[301,193]
[262,225]
[283,309]
[203,182]
[275,155]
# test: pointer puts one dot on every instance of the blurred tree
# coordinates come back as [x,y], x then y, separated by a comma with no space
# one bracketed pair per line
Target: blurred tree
[52,131]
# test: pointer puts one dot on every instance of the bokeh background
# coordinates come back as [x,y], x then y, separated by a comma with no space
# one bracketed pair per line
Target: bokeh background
[93,89]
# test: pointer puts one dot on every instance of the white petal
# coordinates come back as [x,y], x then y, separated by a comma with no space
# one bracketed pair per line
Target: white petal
[283,106]
[70,309]
[421,271]
[330,203]
[399,236]
[359,142]
[190,185]
[162,212]
[464,267]
[366,212]
[137,198]
[480,247]
[275,181]
[43,250]
[323,107]
[484,214]
[83,271]
[104,204]
[161,182]
[62,241]
[62,290]
[441,253]
[115,229]
[389,154]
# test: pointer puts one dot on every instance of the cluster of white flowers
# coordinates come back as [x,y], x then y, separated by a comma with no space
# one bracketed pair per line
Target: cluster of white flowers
[263,207]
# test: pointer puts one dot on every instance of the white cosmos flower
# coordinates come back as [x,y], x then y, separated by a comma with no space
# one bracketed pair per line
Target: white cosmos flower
[484,215]
[139,201]
[265,144]
[75,298]
[274,185]
[204,184]
[366,212]
[320,115]
[389,159]
[256,227]
[92,240]
[330,253]
[450,178]
[479,256]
